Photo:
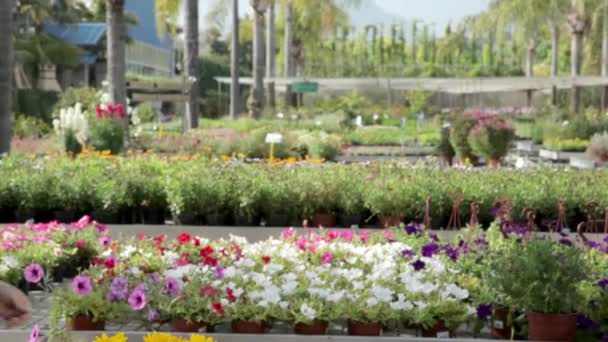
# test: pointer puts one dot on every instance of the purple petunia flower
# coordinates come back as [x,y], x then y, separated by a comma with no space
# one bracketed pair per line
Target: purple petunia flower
[119,289]
[137,300]
[412,229]
[430,250]
[603,283]
[153,315]
[418,265]
[481,242]
[33,273]
[484,311]
[105,241]
[593,245]
[154,277]
[494,211]
[586,323]
[82,285]
[452,253]
[407,253]
[219,272]
[143,287]
[172,286]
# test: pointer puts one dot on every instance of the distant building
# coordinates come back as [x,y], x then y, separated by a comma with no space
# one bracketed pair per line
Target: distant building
[147,53]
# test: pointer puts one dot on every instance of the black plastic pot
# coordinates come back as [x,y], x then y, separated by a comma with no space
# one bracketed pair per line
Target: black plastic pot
[64,216]
[152,216]
[245,221]
[43,216]
[188,220]
[348,221]
[106,217]
[7,216]
[278,220]
[216,220]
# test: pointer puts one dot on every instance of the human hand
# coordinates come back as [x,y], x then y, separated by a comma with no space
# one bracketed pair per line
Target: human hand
[15,307]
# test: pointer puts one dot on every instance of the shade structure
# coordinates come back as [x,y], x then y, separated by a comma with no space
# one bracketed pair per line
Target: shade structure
[445,85]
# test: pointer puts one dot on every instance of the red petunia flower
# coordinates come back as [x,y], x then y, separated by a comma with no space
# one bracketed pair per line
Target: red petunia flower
[110,262]
[217,308]
[197,242]
[266,259]
[81,244]
[207,251]
[141,236]
[208,291]
[210,261]
[230,295]
[184,238]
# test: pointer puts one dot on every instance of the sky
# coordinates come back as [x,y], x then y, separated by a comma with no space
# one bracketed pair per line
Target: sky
[440,12]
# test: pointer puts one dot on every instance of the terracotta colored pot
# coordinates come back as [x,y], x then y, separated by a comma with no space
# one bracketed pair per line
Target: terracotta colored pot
[85,323]
[493,164]
[324,220]
[364,329]
[389,221]
[439,330]
[551,327]
[500,324]
[315,328]
[183,326]
[245,327]
[446,160]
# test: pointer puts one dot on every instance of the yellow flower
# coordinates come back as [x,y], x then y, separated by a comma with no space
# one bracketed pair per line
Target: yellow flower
[120,337]
[200,338]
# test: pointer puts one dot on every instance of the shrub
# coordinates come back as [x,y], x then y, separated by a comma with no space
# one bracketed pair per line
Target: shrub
[108,135]
[28,126]
[89,98]
[444,148]
[146,112]
[459,137]
[491,138]
[566,145]
[598,148]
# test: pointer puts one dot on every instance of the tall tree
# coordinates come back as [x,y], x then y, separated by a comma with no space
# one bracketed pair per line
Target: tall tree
[235,96]
[605,52]
[192,64]
[116,54]
[6,73]
[289,50]
[578,21]
[258,7]
[271,52]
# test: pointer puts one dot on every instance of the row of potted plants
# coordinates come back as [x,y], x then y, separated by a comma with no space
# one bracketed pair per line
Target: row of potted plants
[150,190]
[507,279]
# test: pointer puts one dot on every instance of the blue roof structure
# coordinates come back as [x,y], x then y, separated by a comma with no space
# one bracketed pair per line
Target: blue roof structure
[145,31]
[80,34]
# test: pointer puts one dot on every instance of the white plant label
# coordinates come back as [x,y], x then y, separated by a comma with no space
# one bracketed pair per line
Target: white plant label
[274,138]
[499,325]
[443,334]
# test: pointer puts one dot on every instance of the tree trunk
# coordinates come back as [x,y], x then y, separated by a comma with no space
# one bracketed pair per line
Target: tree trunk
[6,73]
[192,64]
[531,51]
[290,65]
[271,54]
[577,47]
[235,96]
[605,57]
[116,55]
[554,59]
[258,55]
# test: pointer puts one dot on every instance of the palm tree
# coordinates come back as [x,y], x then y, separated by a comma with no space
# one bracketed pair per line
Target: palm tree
[6,73]
[235,96]
[578,21]
[116,54]
[258,7]
[270,52]
[192,64]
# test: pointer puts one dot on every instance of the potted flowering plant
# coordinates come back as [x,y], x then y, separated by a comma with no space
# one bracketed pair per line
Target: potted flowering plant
[444,147]
[535,275]
[107,132]
[459,133]
[491,139]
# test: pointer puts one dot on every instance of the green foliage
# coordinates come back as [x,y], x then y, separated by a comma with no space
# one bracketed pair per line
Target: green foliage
[535,275]
[27,126]
[566,145]
[147,113]
[88,97]
[459,136]
[35,103]
[71,144]
[491,139]
[107,135]
[444,148]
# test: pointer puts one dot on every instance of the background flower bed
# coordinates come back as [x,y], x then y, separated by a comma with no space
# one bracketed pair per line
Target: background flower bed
[149,189]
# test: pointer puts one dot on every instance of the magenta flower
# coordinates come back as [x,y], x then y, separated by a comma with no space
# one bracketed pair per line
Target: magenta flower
[33,273]
[153,315]
[288,233]
[172,286]
[327,258]
[105,241]
[219,272]
[82,285]
[137,300]
[35,334]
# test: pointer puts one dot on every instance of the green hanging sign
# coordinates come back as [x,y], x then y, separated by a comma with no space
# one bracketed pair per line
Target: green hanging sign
[305,87]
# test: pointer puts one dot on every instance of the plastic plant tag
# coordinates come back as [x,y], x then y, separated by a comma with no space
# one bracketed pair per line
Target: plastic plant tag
[443,334]
[274,138]
[499,325]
